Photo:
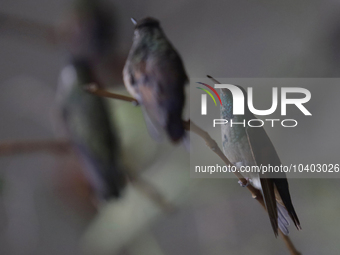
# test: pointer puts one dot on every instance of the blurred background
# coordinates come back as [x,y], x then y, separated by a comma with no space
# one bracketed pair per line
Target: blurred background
[44,203]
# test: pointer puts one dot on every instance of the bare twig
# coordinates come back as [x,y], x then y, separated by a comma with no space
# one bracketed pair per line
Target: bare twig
[211,143]
[16,147]
[289,244]
[94,89]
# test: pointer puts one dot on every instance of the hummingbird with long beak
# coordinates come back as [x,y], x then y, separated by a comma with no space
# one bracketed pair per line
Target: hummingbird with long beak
[87,124]
[251,146]
[154,74]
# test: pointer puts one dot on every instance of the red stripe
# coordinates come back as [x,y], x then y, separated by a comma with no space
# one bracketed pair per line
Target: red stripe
[213,90]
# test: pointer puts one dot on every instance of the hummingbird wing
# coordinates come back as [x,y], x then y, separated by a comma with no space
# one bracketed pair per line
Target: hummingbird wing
[275,190]
[168,78]
[135,80]
[153,116]
[158,83]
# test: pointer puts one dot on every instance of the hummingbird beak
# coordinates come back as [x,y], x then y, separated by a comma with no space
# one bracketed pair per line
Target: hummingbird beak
[134,21]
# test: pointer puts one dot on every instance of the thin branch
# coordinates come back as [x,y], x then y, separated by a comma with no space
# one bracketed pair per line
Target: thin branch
[211,143]
[94,89]
[289,244]
[16,147]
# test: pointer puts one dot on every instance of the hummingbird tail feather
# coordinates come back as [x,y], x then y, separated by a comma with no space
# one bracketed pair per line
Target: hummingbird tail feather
[282,218]
[270,202]
[282,188]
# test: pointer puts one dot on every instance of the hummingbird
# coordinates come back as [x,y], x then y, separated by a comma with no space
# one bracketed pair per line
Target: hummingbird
[88,36]
[87,123]
[154,74]
[250,146]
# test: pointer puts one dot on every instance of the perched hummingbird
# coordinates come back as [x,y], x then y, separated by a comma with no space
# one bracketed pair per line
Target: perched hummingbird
[87,123]
[88,35]
[250,146]
[154,74]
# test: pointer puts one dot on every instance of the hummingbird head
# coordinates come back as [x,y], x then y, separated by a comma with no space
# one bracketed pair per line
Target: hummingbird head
[146,29]
[145,24]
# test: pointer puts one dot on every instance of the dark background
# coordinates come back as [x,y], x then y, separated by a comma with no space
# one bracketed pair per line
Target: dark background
[42,210]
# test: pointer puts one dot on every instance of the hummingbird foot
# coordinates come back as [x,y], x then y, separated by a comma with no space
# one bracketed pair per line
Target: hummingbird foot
[247,183]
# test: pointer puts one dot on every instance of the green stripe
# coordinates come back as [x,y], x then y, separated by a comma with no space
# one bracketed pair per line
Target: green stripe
[208,92]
